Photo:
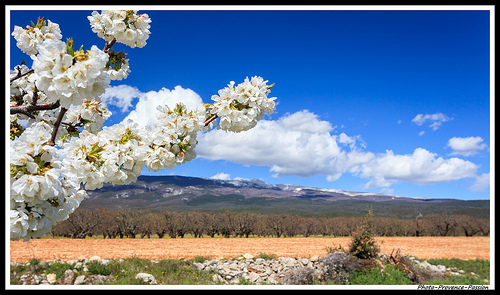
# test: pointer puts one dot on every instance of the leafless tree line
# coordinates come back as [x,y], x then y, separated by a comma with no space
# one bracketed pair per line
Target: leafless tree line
[146,224]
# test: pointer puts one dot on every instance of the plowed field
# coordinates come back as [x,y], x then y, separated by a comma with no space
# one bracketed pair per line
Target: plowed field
[70,249]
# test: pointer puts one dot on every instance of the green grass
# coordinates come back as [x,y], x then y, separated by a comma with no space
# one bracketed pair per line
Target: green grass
[166,272]
[374,276]
[480,267]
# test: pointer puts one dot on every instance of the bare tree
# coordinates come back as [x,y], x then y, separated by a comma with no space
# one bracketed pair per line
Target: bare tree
[82,223]
[210,220]
[244,223]
[277,224]
[129,222]
[444,223]
[308,226]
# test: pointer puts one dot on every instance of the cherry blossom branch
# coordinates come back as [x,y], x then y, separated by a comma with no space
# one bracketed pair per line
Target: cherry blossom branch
[19,75]
[27,108]
[56,126]
[109,45]
[211,119]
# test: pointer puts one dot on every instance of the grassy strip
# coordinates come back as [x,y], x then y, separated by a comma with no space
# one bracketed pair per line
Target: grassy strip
[182,272]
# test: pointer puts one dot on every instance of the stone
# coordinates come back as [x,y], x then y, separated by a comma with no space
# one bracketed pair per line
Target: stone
[253,277]
[67,278]
[248,256]
[80,280]
[95,258]
[146,278]
[299,276]
[51,278]
[98,279]
[290,262]
[273,279]
[105,261]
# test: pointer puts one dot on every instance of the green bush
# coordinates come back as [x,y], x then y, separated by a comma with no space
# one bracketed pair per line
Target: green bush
[363,244]
[97,268]
[266,256]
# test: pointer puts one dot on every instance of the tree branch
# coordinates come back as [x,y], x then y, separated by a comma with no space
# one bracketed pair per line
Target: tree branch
[56,126]
[19,75]
[109,45]
[211,119]
[26,108]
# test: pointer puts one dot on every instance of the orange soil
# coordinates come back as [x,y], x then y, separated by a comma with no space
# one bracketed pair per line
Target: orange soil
[70,249]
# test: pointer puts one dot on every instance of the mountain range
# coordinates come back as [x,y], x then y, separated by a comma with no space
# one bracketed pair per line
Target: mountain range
[182,193]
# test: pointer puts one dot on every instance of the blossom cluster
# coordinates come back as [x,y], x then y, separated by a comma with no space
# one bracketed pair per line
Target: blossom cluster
[116,155]
[173,138]
[126,26]
[239,108]
[91,114]
[28,39]
[41,193]
[60,78]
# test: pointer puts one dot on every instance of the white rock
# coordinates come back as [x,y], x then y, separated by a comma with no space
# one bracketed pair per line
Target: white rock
[51,278]
[253,277]
[248,256]
[147,278]
[80,280]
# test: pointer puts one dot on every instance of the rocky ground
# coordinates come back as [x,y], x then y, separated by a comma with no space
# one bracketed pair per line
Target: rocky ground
[246,268]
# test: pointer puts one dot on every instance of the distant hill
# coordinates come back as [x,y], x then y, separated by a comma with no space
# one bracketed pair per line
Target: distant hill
[203,194]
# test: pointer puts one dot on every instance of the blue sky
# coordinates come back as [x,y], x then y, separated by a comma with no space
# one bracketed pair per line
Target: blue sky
[396,102]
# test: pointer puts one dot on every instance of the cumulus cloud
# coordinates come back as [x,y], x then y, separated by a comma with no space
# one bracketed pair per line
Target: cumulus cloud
[120,96]
[466,146]
[421,167]
[481,183]
[435,120]
[221,176]
[296,144]
[145,109]
[300,144]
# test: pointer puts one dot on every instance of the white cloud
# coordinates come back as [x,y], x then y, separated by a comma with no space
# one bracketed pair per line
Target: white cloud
[481,183]
[293,145]
[466,146]
[296,144]
[421,167]
[435,119]
[120,96]
[145,110]
[221,176]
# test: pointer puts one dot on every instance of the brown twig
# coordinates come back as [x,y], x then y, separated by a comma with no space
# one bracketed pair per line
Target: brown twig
[109,45]
[56,126]
[19,75]
[211,119]
[26,108]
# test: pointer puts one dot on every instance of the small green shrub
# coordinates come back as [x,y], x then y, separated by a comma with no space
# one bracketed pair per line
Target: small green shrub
[363,244]
[97,268]
[58,268]
[201,259]
[266,256]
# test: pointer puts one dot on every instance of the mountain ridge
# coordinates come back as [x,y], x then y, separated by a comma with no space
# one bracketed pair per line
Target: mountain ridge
[184,193]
